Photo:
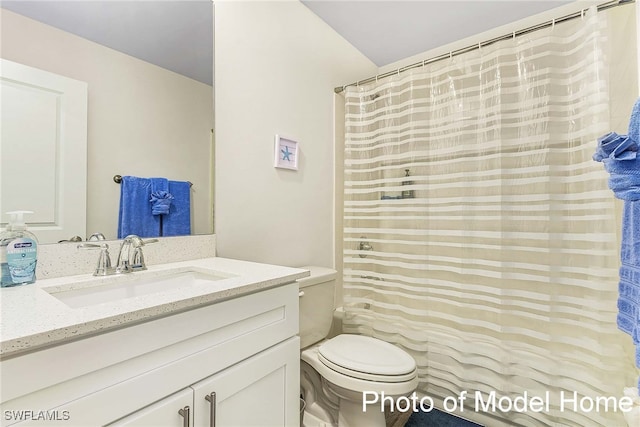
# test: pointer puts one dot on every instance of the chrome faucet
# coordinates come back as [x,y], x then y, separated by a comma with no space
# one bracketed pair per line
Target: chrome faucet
[130,257]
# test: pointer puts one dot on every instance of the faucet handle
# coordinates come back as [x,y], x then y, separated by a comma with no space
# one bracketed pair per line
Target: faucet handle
[103,268]
[137,240]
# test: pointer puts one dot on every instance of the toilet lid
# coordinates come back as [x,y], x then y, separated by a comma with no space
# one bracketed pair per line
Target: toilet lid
[367,358]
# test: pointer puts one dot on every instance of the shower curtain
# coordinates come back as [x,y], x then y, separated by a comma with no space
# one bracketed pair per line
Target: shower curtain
[479,234]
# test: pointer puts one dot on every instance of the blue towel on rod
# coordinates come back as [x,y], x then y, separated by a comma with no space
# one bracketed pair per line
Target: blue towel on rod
[161,198]
[619,154]
[135,216]
[178,221]
[629,286]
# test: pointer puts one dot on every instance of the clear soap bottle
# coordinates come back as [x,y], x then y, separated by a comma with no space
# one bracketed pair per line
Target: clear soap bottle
[18,252]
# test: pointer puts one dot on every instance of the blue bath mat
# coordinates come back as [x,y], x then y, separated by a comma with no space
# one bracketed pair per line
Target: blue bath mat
[436,418]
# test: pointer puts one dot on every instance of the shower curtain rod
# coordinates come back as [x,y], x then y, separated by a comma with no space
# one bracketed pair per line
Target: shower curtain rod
[470,48]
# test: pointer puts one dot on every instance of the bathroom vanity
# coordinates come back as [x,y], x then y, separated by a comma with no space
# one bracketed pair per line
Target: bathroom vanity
[215,341]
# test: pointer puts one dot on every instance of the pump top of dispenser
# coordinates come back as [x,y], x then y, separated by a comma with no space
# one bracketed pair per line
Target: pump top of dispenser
[16,220]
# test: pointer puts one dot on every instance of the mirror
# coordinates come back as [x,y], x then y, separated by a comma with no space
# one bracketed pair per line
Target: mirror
[142,119]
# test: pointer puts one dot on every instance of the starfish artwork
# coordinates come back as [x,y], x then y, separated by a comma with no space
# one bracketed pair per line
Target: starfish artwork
[286,154]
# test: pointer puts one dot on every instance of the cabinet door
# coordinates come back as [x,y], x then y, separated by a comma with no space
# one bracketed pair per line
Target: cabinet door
[262,391]
[164,413]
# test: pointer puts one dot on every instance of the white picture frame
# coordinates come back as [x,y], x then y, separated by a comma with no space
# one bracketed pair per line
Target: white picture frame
[286,153]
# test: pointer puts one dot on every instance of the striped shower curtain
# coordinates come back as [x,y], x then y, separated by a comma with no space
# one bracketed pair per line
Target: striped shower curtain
[480,236]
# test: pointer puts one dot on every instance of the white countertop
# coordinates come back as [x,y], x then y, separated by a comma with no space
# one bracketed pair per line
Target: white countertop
[32,318]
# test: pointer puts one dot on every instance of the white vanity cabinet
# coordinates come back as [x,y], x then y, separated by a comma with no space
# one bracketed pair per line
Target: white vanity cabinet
[251,393]
[244,349]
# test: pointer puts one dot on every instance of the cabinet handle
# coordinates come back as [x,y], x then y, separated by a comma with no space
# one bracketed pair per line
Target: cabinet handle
[211,398]
[185,412]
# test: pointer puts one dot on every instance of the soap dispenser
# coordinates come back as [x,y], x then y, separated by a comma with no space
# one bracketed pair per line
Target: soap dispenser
[18,252]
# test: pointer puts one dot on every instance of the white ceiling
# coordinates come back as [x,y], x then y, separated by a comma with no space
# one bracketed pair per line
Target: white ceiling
[178,34]
[388,31]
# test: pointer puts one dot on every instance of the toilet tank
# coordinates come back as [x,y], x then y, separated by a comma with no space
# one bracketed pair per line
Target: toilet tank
[316,304]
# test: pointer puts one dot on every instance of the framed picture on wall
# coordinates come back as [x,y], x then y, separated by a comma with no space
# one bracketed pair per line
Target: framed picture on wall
[286,153]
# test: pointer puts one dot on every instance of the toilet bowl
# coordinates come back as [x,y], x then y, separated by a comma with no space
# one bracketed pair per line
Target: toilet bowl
[336,373]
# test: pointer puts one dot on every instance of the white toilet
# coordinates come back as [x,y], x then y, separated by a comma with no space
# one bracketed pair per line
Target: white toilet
[334,373]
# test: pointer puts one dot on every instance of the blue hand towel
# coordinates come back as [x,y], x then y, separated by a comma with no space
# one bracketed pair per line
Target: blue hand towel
[134,216]
[178,222]
[160,196]
[618,153]
[606,145]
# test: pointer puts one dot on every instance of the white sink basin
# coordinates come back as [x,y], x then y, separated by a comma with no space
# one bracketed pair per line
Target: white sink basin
[131,285]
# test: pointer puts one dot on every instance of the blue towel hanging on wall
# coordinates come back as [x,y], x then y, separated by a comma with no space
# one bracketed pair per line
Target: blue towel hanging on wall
[619,154]
[178,222]
[135,216]
[154,207]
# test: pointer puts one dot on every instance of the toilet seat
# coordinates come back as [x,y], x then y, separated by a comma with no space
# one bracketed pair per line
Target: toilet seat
[367,358]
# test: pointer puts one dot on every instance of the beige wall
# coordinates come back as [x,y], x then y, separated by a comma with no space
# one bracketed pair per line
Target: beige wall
[142,119]
[623,66]
[276,67]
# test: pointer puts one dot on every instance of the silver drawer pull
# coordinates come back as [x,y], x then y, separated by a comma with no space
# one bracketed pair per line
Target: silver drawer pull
[211,398]
[300,294]
[185,412]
